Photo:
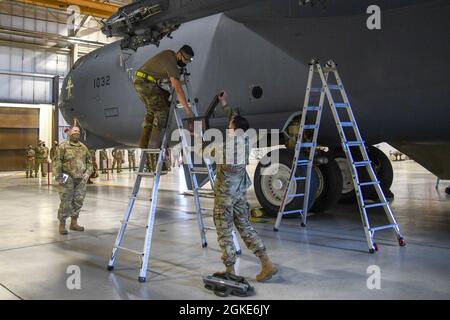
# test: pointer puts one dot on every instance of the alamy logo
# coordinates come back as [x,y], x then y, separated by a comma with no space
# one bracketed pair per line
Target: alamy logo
[374,279]
[73,281]
[374,20]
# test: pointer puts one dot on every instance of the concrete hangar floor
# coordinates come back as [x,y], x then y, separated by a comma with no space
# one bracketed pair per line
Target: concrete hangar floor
[327,260]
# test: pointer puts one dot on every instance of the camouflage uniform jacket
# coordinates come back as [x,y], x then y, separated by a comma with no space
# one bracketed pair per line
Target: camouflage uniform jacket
[39,152]
[232,178]
[117,154]
[45,152]
[53,152]
[30,153]
[73,159]
[103,155]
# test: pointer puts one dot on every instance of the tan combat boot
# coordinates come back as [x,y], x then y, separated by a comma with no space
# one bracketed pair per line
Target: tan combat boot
[74,225]
[267,269]
[145,138]
[62,228]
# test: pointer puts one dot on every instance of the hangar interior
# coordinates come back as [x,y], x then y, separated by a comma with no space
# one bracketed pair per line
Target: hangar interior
[39,42]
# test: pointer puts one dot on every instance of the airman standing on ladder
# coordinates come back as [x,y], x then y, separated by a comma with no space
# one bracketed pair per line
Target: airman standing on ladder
[152,83]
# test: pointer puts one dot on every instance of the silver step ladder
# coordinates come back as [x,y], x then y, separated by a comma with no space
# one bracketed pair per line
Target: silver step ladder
[351,141]
[194,171]
[144,255]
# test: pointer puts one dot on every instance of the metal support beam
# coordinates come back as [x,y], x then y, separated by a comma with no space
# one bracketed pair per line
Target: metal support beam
[49,36]
[27,74]
[55,102]
[73,54]
[84,21]
[89,7]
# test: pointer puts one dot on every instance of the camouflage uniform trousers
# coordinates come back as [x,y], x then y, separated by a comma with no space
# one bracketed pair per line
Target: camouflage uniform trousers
[29,166]
[72,195]
[117,163]
[102,167]
[156,102]
[40,163]
[131,163]
[229,209]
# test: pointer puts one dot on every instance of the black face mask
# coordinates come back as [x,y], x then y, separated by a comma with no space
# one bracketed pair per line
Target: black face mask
[180,63]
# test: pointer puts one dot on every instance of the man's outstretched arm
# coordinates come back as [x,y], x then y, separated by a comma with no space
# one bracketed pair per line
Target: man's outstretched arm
[176,84]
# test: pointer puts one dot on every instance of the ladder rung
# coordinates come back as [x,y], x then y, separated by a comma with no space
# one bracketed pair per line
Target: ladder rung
[310,126]
[145,174]
[341,105]
[308,145]
[303,162]
[365,184]
[334,87]
[200,170]
[354,143]
[299,178]
[375,205]
[328,69]
[296,195]
[129,250]
[133,224]
[151,150]
[388,226]
[209,228]
[312,108]
[347,124]
[361,163]
[316,89]
[292,211]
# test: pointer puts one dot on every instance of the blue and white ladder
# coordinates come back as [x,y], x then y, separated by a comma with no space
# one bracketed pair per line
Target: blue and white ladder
[351,140]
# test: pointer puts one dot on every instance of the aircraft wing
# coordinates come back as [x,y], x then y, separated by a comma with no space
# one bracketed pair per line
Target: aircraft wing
[148,21]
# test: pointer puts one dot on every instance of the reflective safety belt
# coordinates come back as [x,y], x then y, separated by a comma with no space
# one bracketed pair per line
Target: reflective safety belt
[145,76]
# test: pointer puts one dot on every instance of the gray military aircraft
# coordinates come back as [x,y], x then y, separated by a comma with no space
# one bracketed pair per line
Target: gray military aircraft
[397,77]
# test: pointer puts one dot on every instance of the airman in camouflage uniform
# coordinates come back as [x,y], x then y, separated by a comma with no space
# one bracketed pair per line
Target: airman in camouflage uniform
[131,160]
[118,160]
[103,159]
[29,161]
[74,162]
[41,159]
[230,201]
[94,167]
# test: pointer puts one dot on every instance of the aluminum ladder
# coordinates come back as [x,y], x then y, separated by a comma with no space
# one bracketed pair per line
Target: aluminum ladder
[351,141]
[144,255]
[193,170]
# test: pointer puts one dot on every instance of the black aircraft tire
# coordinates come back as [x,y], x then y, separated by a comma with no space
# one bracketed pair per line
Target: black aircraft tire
[268,196]
[382,167]
[329,184]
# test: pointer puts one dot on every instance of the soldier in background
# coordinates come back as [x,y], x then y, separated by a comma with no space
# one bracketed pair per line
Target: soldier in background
[94,174]
[29,161]
[72,168]
[103,158]
[118,159]
[41,158]
[131,160]
[53,150]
